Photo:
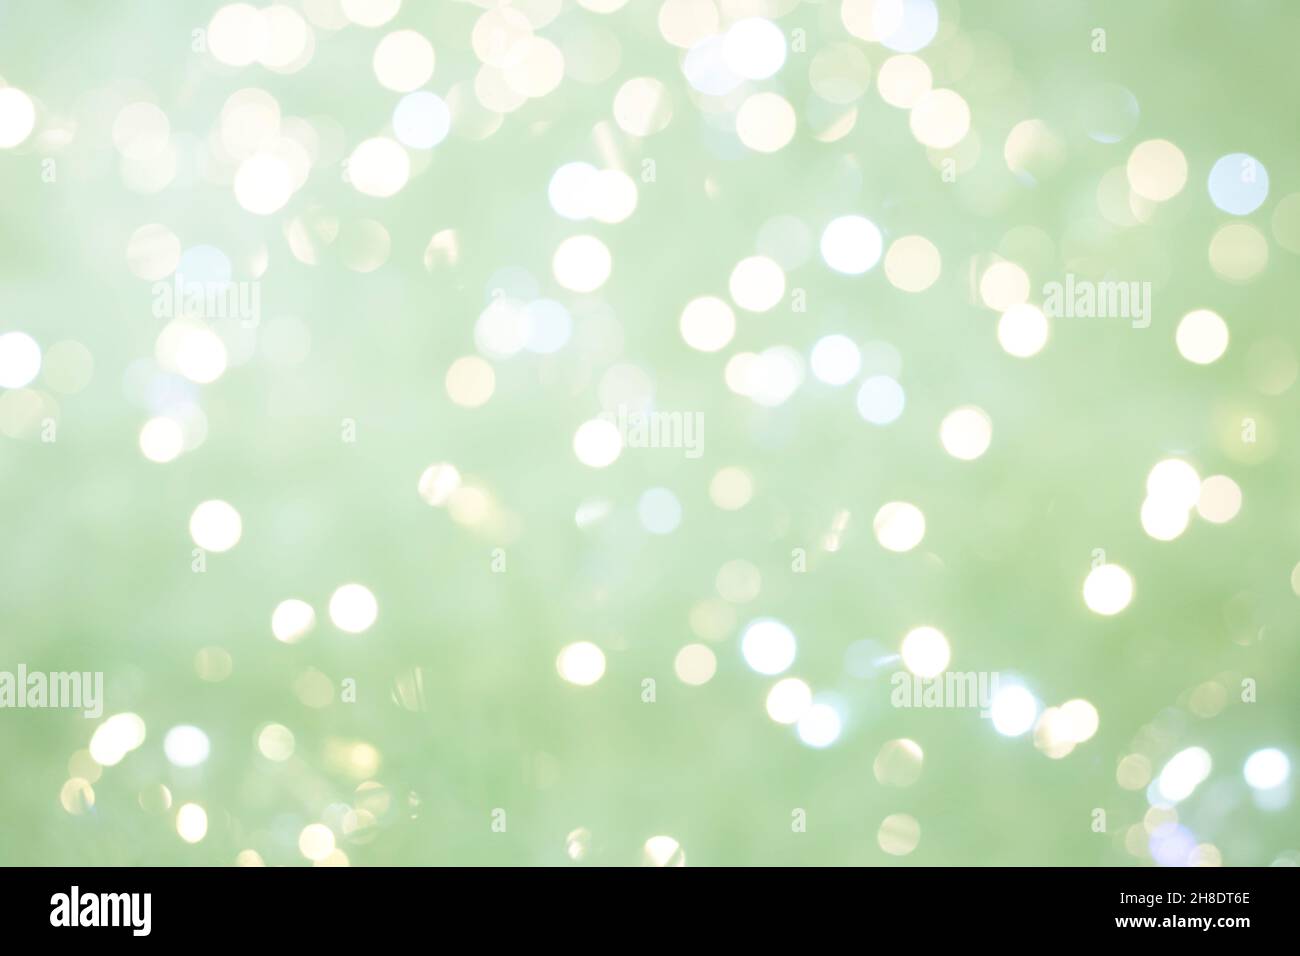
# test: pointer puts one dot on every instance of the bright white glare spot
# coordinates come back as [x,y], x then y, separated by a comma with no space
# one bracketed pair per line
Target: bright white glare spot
[403,61]
[162,439]
[754,48]
[115,738]
[880,400]
[378,167]
[899,526]
[1022,330]
[966,433]
[1266,769]
[819,726]
[597,443]
[613,196]
[925,651]
[581,263]
[768,646]
[1014,710]
[193,350]
[757,284]
[186,746]
[1202,337]
[437,483]
[1176,482]
[788,700]
[707,323]
[835,359]
[1184,773]
[569,190]
[851,244]
[662,850]
[191,822]
[316,842]
[17,117]
[353,608]
[581,663]
[291,620]
[1162,519]
[238,34]
[215,526]
[1077,720]
[20,359]
[1108,589]
[263,184]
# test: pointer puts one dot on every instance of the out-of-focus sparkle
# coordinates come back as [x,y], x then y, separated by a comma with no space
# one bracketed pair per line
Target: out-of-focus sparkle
[851,244]
[597,443]
[215,526]
[820,725]
[191,822]
[925,651]
[966,433]
[662,851]
[1202,337]
[581,663]
[20,359]
[1108,589]
[1014,710]
[353,608]
[788,700]
[1022,331]
[581,263]
[1266,769]
[899,834]
[1157,170]
[695,664]
[766,122]
[880,400]
[17,117]
[291,620]
[940,119]
[1238,184]
[707,323]
[186,746]
[899,526]
[768,646]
